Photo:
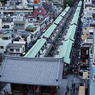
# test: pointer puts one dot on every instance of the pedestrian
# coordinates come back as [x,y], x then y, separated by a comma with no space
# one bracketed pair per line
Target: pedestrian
[4,92]
[67,88]
[7,93]
[66,93]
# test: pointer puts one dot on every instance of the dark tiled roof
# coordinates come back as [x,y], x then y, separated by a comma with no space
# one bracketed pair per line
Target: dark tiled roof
[15,45]
[33,71]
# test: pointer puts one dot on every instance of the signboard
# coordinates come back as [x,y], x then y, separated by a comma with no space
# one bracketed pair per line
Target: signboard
[93,72]
[84,53]
[38,0]
[35,1]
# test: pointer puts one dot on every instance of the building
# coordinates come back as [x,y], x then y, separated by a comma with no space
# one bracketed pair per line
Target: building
[32,75]
[7,23]
[48,6]
[87,3]
[5,39]
[20,23]
[56,2]
[16,49]
[34,31]
[11,4]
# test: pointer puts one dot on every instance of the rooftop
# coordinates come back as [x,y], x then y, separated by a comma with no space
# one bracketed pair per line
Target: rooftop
[32,71]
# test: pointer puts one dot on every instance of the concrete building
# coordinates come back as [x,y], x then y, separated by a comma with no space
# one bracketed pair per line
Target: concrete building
[7,23]
[87,3]
[20,23]
[11,4]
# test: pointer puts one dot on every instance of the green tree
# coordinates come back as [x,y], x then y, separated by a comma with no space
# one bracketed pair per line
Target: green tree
[69,2]
[3,1]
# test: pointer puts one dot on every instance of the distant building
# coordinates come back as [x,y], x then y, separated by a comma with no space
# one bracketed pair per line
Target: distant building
[11,4]
[48,6]
[58,2]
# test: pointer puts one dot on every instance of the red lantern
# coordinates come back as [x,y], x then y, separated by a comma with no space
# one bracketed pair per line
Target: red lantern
[35,88]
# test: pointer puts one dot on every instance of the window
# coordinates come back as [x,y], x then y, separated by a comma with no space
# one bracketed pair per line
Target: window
[5,26]
[39,11]
[19,25]
[17,50]
[1,47]
[12,50]
[12,3]
[91,33]
[5,38]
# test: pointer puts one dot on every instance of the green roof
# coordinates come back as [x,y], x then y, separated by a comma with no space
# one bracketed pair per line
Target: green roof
[65,51]
[78,9]
[53,26]
[80,3]
[67,8]
[32,26]
[63,13]
[7,31]
[69,33]
[76,13]
[49,31]
[59,18]
[68,51]
[74,20]
[73,32]
[36,47]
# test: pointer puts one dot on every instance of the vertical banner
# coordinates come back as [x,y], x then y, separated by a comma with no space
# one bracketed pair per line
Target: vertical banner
[38,0]
[93,72]
[84,53]
[35,1]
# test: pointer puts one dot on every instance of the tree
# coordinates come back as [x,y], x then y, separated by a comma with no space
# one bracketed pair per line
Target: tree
[69,2]
[3,1]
